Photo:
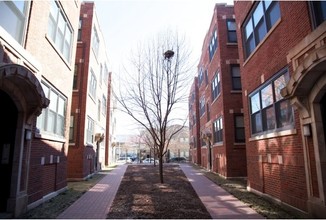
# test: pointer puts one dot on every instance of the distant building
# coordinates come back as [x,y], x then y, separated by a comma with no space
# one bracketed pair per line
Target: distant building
[179,144]
[220,117]
[37,53]
[90,111]
[282,50]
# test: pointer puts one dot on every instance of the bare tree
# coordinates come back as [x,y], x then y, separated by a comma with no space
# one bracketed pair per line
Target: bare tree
[157,88]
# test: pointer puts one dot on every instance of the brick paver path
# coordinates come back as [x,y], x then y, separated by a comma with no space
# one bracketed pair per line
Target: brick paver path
[219,203]
[96,203]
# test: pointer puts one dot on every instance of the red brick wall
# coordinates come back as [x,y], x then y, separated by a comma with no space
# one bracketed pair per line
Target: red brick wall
[284,181]
[50,176]
[78,162]
[231,161]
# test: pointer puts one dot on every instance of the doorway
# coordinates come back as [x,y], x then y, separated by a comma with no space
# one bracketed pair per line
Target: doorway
[8,123]
[323,110]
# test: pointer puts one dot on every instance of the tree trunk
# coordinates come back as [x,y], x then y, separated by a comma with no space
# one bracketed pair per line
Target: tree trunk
[161,168]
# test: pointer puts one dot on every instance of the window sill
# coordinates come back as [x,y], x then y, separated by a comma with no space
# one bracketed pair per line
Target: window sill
[236,91]
[68,63]
[218,96]
[273,134]
[261,43]
[232,44]
[219,144]
[50,137]
[93,99]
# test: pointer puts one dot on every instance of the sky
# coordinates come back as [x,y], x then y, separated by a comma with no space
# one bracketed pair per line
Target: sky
[126,23]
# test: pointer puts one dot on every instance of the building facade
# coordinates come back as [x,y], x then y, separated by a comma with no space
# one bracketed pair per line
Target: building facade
[90,112]
[194,126]
[179,144]
[37,50]
[283,67]
[220,98]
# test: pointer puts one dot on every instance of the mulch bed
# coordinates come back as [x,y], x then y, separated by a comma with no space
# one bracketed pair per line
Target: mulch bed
[141,195]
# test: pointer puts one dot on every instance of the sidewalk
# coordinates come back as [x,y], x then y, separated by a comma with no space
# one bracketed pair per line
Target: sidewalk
[219,203]
[95,204]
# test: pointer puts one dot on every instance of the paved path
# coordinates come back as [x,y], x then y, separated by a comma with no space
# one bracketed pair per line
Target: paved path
[96,203]
[218,202]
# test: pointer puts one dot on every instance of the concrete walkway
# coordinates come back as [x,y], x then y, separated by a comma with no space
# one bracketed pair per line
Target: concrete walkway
[219,203]
[96,203]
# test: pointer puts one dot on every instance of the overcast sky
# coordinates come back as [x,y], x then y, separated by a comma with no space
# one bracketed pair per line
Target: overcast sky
[126,23]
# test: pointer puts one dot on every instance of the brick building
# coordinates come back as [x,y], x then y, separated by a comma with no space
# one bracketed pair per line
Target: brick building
[90,111]
[283,62]
[220,99]
[37,50]
[179,144]
[194,126]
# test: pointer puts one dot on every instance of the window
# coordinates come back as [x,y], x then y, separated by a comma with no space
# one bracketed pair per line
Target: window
[52,119]
[101,74]
[99,106]
[60,31]
[218,130]
[89,130]
[206,76]
[95,41]
[318,12]
[236,77]
[213,45]
[106,75]
[231,27]
[200,76]
[202,106]
[104,105]
[260,21]
[269,112]
[216,86]
[80,24]
[74,84]
[92,85]
[14,17]
[208,112]
[239,129]
[71,129]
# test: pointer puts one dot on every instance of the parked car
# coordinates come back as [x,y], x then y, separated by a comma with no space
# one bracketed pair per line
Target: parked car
[150,160]
[123,160]
[177,160]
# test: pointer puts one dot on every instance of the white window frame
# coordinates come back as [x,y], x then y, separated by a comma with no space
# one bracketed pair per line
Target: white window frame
[95,41]
[60,31]
[265,103]
[218,130]
[56,110]
[18,22]
[92,85]
[216,86]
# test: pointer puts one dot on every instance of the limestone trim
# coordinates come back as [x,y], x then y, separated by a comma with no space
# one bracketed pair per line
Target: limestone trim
[16,79]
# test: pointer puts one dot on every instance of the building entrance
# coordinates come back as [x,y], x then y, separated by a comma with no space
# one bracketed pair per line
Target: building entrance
[323,111]
[8,123]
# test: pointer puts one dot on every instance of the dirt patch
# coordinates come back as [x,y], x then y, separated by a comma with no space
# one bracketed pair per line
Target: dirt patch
[141,195]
